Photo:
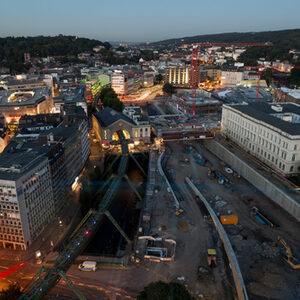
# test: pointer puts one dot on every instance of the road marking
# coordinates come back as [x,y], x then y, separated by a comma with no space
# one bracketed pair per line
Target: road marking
[12,270]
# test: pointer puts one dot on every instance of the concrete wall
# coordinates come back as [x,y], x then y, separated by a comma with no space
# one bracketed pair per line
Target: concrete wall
[279,196]
[236,272]
[163,175]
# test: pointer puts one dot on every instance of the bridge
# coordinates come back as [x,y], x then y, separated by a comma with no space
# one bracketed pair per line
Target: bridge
[47,278]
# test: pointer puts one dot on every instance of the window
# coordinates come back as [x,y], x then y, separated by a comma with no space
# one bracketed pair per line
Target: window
[295,148]
[293,157]
[291,168]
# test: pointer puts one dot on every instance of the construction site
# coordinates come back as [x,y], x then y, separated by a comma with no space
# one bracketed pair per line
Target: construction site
[263,235]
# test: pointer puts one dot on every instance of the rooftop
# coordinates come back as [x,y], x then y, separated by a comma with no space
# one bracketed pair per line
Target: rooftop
[273,115]
[108,116]
[71,94]
[29,97]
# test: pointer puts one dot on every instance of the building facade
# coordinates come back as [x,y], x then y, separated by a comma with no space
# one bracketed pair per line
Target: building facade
[135,126]
[231,78]
[26,199]
[119,83]
[269,131]
[178,76]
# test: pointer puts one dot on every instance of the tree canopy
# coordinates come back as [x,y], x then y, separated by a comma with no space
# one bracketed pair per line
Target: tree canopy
[110,99]
[168,88]
[164,291]
[13,292]
[294,79]
[159,78]
[12,49]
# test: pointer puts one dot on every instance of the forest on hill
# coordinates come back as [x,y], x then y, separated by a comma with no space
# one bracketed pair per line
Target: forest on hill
[12,49]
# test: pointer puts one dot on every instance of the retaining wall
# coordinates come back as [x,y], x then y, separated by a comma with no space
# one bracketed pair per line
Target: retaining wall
[276,194]
[235,268]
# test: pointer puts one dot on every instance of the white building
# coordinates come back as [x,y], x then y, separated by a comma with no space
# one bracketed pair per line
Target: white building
[119,82]
[268,131]
[231,78]
[26,198]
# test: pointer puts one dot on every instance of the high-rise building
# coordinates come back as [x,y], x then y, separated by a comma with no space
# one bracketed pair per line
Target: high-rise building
[119,83]
[26,197]
[37,169]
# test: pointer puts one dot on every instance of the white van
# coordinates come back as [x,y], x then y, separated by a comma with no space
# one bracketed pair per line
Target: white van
[88,266]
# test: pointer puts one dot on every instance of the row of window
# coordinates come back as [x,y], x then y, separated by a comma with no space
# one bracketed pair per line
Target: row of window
[10,222]
[12,207]
[261,131]
[11,238]
[262,153]
[10,230]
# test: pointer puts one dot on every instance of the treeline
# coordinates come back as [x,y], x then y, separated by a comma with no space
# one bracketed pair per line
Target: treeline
[12,49]
[251,55]
[287,38]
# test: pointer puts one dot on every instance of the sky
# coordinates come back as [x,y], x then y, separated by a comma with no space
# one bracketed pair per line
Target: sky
[144,20]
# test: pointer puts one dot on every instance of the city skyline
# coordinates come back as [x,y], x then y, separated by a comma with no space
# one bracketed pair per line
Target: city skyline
[135,22]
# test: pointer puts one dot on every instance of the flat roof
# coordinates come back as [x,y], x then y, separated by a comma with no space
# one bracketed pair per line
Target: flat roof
[38,96]
[264,112]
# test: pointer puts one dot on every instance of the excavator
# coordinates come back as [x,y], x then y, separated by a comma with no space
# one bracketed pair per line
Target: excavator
[288,257]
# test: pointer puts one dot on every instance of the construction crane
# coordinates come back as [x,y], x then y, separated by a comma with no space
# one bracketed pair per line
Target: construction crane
[288,257]
[194,75]
[260,69]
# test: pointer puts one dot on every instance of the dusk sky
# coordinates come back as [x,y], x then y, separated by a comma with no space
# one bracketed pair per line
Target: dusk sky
[141,21]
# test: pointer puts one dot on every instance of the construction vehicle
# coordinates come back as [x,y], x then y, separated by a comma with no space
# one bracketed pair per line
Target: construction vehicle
[212,258]
[179,212]
[288,256]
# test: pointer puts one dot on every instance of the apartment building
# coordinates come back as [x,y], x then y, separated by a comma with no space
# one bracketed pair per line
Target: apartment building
[268,131]
[214,74]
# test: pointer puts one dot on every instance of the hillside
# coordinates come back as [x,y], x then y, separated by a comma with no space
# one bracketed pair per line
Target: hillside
[12,49]
[290,38]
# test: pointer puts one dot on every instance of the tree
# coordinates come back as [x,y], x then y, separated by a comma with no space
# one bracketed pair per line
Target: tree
[164,291]
[110,99]
[168,88]
[11,293]
[294,79]
[159,78]
[268,76]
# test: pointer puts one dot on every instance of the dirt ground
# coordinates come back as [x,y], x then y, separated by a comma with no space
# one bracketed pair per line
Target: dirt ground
[265,274]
